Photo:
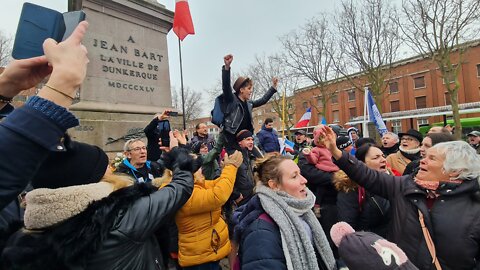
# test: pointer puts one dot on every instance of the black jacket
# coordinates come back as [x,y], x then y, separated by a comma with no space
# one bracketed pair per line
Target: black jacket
[244,181]
[453,221]
[154,131]
[390,150]
[116,232]
[319,182]
[370,214]
[26,138]
[234,110]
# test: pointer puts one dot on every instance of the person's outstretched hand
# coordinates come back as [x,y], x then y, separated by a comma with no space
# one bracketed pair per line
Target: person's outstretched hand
[227,59]
[23,74]
[275,82]
[234,159]
[180,136]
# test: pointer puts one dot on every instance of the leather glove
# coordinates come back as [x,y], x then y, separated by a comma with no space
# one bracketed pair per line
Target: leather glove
[235,159]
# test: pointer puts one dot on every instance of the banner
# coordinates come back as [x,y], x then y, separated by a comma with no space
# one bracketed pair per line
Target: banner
[375,116]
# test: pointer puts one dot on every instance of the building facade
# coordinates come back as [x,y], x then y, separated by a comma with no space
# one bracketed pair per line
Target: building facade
[212,129]
[414,87]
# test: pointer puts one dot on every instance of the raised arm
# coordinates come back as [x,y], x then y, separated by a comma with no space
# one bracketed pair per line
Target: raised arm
[150,128]
[206,200]
[149,212]
[226,80]
[376,182]
[29,133]
[268,95]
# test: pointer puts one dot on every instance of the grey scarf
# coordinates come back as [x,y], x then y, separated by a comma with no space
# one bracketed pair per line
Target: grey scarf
[286,211]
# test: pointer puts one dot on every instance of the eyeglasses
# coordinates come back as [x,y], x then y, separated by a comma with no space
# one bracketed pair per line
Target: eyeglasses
[408,139]
[137,149]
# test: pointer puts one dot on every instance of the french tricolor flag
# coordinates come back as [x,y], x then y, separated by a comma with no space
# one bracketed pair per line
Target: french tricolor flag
[305,119]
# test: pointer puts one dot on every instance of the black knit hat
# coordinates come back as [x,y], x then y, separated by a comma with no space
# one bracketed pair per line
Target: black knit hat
[343,142]
[243,134]
[80,164]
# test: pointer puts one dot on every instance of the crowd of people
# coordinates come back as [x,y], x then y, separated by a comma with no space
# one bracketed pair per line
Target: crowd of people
[175,203]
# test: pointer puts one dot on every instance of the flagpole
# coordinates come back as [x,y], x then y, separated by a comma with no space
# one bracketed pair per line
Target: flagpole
[181,83]
[365,111]
[283,112]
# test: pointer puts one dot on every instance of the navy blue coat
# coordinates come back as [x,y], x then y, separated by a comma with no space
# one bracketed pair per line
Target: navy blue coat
[25,135]
[268,140]
[260,241]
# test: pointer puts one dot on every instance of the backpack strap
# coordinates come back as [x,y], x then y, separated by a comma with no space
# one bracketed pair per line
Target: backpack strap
[429,241]
[266,217]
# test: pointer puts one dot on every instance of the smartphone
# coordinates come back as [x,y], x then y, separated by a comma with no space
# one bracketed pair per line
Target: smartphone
[36,24]
[172,114]
[72,19]
[163,130]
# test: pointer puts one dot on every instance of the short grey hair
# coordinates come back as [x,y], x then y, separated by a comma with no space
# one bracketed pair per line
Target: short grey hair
[126,146]
[394,135]
[460,157]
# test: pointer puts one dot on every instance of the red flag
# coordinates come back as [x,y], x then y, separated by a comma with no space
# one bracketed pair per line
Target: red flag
[182,20]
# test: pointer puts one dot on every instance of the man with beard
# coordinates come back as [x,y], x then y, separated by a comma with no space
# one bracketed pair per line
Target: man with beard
[201,135]
[390,143]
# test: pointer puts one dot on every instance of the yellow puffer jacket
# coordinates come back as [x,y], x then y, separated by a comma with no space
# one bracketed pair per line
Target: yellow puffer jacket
[202,232]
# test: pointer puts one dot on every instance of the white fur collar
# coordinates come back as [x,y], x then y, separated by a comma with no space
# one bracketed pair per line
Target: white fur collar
[46,207]
[411,151]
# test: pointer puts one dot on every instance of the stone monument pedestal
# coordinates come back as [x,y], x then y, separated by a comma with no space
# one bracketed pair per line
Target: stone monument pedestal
[127,80]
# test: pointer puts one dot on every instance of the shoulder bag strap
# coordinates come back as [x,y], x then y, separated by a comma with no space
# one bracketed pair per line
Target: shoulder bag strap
[428,239]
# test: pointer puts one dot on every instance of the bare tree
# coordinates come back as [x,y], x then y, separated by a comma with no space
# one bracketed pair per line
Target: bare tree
[262,72]
[307,57]
[5,49]
[368,36]
[193,102]
[436,29]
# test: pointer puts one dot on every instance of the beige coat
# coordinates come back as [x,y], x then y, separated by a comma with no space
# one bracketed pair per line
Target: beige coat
[398,162]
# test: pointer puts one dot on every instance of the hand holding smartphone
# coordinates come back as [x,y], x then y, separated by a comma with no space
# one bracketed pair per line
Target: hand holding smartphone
[171,113]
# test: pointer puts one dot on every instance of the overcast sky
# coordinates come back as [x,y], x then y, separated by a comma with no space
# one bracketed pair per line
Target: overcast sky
[244,28]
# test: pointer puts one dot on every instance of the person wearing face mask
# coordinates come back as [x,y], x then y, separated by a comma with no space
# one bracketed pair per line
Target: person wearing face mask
[239,107]
[409,150]
[430,140]
[358,207]
[277,228]
[434,212]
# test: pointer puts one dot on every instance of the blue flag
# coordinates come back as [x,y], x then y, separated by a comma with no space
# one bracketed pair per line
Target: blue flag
[287,145]
[324,121]
[375,116]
